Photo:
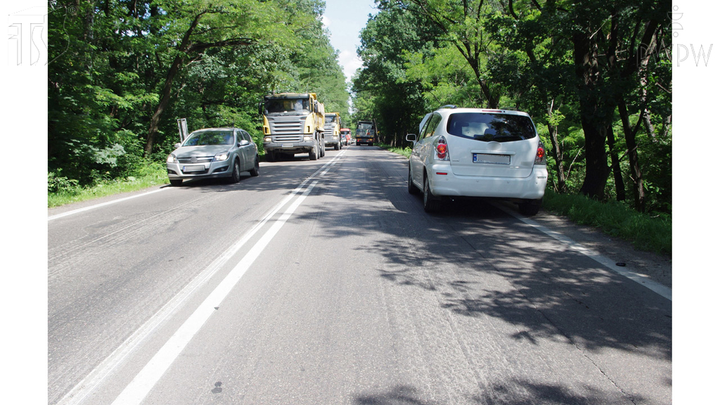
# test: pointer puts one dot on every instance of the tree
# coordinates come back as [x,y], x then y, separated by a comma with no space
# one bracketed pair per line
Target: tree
[462,25]
[382,89]
[198,25]
[122,71]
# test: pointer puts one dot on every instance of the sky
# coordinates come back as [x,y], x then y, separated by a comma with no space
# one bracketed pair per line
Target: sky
[345,19]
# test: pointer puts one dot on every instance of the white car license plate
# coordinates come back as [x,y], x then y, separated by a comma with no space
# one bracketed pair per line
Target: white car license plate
[491,158]
[193,168]
[287,145]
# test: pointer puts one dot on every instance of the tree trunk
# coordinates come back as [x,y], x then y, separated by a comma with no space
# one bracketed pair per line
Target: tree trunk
[167,88]
[593,115]
[557,153]
[492,100]
[635,172]
[617,172]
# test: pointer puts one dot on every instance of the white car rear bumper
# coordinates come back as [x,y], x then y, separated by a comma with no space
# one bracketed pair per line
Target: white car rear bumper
[444,183]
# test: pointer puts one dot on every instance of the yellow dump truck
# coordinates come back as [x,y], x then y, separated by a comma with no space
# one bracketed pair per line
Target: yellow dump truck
[332,130]
[293,123]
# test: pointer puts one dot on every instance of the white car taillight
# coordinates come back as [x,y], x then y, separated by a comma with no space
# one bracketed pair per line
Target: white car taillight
[540,155]
[441,149]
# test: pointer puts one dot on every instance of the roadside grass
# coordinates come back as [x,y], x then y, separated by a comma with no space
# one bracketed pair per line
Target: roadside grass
[153,175]
[406,151]
[647,232]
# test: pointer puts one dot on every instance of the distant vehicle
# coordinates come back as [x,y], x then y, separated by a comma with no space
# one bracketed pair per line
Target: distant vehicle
[345,135]
[476,152]
[332,130]
[293,123]
[213,153]
[366,133]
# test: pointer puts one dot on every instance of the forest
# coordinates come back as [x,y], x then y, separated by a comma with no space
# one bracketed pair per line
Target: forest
[595,76]
[122,72]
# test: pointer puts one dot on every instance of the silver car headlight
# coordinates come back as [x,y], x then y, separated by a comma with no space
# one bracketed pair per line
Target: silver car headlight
[171,158]
[220,157]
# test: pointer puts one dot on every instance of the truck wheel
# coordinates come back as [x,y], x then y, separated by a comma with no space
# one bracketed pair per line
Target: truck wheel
[337,146]
[314,153]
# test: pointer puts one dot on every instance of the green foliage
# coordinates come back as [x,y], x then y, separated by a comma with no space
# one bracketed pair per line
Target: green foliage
[406,151]
[57,183]
[645,231]
[65,191]
[382,90]
[110,62]
[569,64]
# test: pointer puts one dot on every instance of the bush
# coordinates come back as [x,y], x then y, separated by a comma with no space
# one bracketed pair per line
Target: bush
[57,183]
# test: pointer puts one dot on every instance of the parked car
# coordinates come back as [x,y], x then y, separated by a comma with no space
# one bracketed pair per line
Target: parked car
[213,153]
[475,152]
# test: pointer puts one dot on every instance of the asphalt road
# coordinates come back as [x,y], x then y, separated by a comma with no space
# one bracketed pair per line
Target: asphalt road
[324,282]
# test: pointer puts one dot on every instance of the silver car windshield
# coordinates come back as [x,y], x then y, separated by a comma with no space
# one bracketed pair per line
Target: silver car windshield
[199,138]
[491,127]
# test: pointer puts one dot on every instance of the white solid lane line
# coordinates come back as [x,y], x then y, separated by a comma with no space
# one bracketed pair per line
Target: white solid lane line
[104,369]
[97,376]
[92,207]
[146,379]
[627,272]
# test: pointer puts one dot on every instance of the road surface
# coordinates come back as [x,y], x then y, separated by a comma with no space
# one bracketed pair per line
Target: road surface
[325,282]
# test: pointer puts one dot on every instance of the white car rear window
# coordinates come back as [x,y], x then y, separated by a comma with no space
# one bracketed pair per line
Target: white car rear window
[491,127]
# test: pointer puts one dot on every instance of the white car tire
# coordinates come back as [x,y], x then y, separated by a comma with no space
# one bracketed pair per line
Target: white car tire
[431,203]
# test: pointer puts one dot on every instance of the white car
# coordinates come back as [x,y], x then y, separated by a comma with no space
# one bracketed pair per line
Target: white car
[474,152]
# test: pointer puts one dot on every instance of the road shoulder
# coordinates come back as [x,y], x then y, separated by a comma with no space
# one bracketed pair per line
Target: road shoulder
[655,266]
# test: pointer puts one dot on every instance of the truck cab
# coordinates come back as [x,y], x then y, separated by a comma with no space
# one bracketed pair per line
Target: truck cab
[332,130]
[293,123]
[366,133]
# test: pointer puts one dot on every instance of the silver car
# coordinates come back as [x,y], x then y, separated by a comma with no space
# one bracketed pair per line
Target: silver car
[213,153]
[475,152]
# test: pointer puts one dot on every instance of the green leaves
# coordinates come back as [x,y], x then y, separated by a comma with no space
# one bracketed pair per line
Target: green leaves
[115,64]
[568,64]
